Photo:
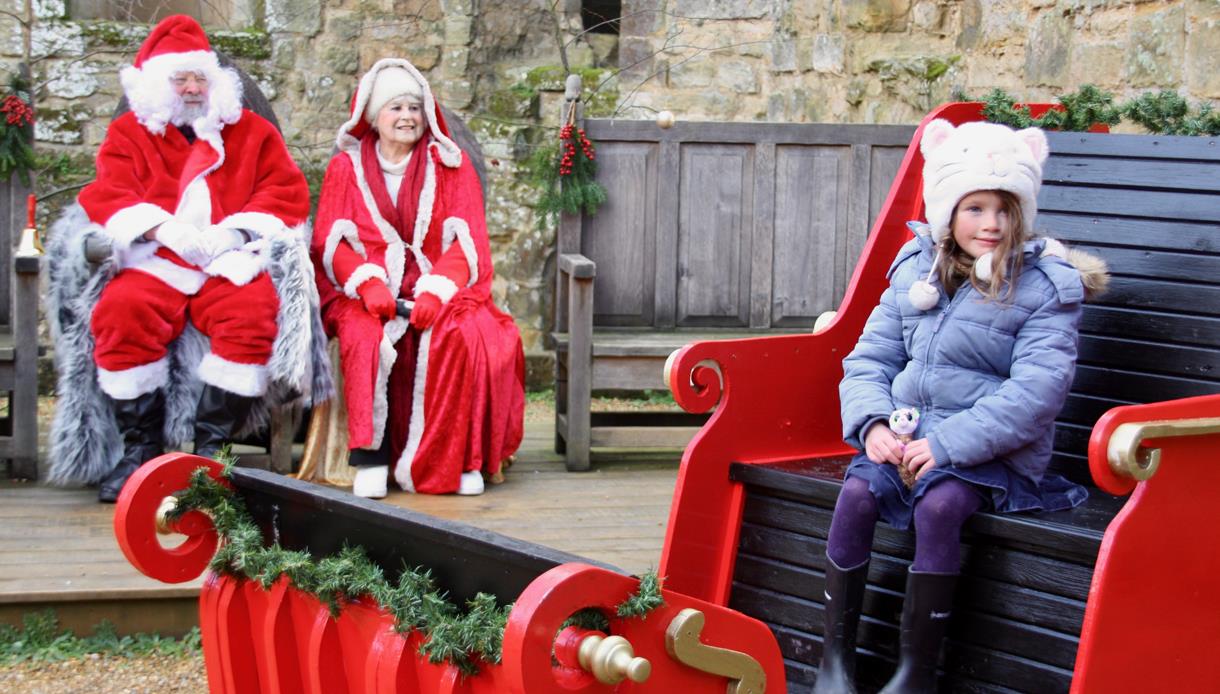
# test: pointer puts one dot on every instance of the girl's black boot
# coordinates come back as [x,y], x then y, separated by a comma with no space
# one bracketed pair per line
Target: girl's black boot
[844,596]
[925,616]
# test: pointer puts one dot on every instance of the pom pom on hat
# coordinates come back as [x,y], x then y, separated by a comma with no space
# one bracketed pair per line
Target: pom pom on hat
[923,295]
[391,82]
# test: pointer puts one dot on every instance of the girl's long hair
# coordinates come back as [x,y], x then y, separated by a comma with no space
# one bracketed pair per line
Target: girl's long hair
[1006,259]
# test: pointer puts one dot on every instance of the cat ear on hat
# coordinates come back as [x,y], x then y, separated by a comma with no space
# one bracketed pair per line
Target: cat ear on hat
[1035,139]
[934,135]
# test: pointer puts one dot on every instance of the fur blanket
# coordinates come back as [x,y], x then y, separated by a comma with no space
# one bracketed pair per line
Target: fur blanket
[85,441]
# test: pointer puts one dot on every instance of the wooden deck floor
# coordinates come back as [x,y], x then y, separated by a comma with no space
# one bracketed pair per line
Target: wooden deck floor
[57,547]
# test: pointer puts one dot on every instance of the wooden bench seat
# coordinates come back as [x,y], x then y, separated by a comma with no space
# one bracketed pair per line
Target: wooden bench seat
[1022,595]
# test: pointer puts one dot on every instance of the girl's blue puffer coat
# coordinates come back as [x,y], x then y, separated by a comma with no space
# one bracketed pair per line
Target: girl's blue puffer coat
[988,377]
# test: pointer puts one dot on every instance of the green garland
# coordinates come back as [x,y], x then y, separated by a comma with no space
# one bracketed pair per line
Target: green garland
[414,601]
[1162,113]
[567,176]
[16,132]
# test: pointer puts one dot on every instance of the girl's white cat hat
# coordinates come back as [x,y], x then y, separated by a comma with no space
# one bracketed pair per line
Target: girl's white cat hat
[976,156]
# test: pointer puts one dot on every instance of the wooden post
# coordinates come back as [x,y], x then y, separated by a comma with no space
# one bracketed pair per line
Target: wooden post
[20,313]
[578,272]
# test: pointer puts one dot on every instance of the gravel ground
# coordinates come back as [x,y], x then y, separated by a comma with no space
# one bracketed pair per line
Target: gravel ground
[106,675]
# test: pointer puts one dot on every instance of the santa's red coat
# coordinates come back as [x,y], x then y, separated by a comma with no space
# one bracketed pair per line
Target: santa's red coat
[233,176]
[451,398]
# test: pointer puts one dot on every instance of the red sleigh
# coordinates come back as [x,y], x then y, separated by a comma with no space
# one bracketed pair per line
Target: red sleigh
[1119,595]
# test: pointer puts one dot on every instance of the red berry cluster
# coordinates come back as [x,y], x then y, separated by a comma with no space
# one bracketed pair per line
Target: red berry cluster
[569,149]
[19,112]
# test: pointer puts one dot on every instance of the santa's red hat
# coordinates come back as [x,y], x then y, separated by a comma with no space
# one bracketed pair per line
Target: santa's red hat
[178,44]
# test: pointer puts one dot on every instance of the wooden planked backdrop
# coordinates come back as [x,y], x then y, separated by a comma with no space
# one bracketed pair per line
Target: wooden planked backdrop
[730,225]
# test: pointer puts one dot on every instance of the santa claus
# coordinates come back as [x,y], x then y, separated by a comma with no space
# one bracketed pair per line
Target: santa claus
[438,396]
[191,190]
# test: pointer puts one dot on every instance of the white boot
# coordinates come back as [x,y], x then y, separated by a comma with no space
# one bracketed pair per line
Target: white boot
[370,482]
[471,483]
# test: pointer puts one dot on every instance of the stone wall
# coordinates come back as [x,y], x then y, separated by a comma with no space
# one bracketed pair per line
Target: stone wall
[497,64]
[889,61]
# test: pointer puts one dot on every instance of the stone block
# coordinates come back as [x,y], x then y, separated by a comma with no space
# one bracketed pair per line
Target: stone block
[294,16]
[783,53]
[698,72]
[72,80]
[1048,51]
[458,30]
[1156,49]
[448,7]
[876,15]
[422,57]
[1098,63]
[829,53]
[970,19]
[642,17]
[738,76]
[345,27]
[1203,50]
[454,93]
[720,9]
[343,59]
[636,57]
[928,16]
[455,59]
[55,38]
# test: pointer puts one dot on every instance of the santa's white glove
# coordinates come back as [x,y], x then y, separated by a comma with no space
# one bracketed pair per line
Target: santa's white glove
[236,266]
[185,240]
[218,240]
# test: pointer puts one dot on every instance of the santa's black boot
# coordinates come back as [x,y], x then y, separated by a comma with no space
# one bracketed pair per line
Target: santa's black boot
[925,616]
[844,596]
[141,422]
[218,417]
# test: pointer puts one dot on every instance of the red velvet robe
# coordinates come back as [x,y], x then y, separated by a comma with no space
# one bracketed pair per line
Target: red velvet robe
[451,398]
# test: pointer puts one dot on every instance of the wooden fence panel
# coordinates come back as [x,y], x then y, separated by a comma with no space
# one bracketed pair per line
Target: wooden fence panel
[731,225]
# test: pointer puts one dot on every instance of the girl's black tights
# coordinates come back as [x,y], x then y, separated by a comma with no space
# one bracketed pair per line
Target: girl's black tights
[939,516]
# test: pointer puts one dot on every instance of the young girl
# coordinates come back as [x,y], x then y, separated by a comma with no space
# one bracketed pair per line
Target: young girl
[977,332]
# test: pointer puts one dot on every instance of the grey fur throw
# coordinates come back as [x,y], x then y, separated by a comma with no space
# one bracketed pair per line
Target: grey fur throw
[85,442]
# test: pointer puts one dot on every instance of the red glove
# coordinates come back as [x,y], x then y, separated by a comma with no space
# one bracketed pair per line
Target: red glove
[377,298]
[423,315]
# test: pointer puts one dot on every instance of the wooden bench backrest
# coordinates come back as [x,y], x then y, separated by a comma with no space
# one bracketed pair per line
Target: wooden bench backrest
[730,225]
[1150,206]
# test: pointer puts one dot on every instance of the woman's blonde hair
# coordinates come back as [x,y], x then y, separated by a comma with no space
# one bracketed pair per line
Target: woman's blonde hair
[1006,259]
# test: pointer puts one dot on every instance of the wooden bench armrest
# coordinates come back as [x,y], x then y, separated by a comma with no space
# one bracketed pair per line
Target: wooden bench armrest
[577,266]
[97,248]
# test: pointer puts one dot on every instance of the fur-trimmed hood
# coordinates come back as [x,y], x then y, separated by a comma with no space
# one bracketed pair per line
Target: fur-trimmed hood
[355,127]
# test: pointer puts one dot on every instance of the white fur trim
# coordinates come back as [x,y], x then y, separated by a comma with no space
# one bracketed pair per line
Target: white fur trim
[249,380]
[152,98]
[130,223]
[195,204]
[129,384]
[1054,247]
[238,266]
[361,275]
[342,229]
[391,333]
[457,227]
[370,482]
[259,223]
[423,215]
[415,429]
[395,252]
[450,153]
[439,286]
[183,279]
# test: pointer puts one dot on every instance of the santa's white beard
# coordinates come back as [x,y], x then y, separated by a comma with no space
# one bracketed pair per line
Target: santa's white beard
[186,113]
